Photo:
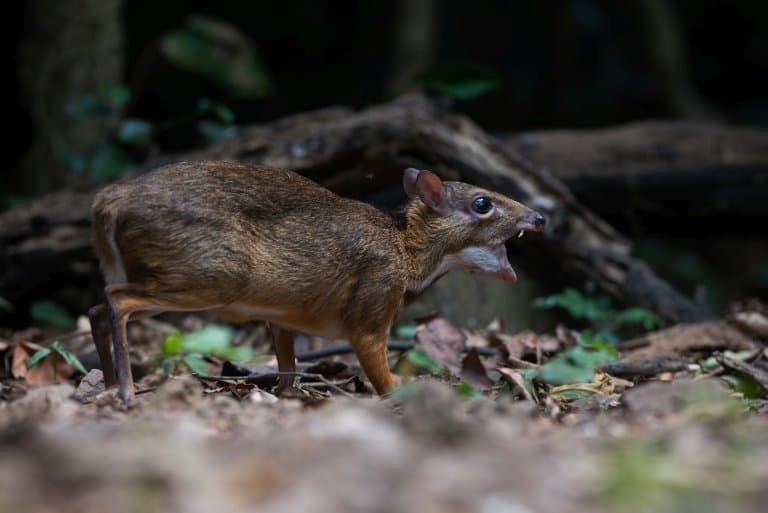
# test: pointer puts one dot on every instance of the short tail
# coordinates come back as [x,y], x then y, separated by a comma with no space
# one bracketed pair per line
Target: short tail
[103,230]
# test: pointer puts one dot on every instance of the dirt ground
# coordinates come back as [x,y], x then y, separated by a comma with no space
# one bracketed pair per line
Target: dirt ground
[671,442]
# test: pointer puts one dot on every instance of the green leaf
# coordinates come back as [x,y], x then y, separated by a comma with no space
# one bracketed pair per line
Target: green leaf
[213,131]
[117,95]
[6,305]
[460,80]
[221,52]
[466,390]
[207,340]
[39,355]
[236,353]
[87,108]
[638,315]
[108,161]
[51,313]
[419,358]
[528,375]
[578,363]
[578,305]
[406,391]
[172,344]
[68,357]
[597,342]
[167,365]
[221,111]
[136,132]
[196,364]
[11,200]
[405,331]
[573,394]
[561,371]
[746,385]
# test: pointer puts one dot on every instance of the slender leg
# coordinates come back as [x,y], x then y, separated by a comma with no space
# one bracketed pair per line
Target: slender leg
[102,338]
[371,350]
[286,362]
[130,301]
[122,359]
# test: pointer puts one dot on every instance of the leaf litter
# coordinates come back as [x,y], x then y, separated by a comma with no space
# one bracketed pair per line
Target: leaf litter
[483,421]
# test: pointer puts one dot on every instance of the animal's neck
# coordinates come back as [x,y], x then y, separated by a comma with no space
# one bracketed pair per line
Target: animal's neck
[426,252]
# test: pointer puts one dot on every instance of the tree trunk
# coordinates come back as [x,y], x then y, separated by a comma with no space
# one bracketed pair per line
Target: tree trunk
[68,47]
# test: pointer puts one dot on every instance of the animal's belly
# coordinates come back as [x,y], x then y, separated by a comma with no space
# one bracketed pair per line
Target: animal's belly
[327,325]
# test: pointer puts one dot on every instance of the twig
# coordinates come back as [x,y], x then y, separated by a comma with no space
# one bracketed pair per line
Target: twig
[644,368]
[634,343]
[392,345]
[719,371]
[274,375]
[65,336]
[743,367]
[522,363]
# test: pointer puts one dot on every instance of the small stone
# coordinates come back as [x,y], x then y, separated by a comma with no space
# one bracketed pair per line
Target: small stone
[90,386]
[262,397]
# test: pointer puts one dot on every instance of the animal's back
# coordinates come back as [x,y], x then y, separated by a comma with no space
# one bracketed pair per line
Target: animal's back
[244,231]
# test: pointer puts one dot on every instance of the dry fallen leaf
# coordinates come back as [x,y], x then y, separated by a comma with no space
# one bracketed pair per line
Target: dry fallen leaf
[525,342]
[51,369]
[516,379]
[473,371]
[684,339]
[443,342]
[19,361]
[603,384]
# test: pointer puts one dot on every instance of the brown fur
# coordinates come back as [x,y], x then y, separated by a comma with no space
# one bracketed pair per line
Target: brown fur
[226,236]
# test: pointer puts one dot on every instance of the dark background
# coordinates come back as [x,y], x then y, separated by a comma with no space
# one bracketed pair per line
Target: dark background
[578,63]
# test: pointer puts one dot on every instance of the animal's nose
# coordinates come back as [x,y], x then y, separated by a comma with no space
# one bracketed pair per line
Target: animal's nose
[536,220]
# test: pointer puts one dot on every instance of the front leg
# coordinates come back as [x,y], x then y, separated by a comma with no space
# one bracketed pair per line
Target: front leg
[286,361]
[371,350]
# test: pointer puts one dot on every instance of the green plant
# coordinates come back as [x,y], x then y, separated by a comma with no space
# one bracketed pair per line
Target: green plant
[69,357]
[221,52]
[51,313]
[598,310]
[6,305]
[124,136]
[192,349]
[459,80]
[205,46]
[577,364]
[467,391]
[419,358]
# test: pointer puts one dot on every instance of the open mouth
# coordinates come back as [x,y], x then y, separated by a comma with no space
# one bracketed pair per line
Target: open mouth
[505,270]
[493,260]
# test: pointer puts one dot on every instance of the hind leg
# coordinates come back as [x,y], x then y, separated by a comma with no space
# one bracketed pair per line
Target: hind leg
[120,303]
[128,301]
[102,338]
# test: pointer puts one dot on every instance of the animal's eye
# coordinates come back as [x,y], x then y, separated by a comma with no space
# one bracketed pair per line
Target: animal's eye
[482,205]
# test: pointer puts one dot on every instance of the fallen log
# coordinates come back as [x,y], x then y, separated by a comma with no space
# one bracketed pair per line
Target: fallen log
[360,154]
[661,176]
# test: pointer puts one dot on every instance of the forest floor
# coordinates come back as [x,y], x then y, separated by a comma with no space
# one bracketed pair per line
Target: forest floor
[677,421]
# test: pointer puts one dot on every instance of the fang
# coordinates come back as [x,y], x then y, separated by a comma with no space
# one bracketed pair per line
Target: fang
[520,235]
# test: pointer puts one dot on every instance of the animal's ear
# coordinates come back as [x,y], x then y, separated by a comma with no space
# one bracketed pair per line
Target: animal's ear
[427,186]
[430,189]
[409,182]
